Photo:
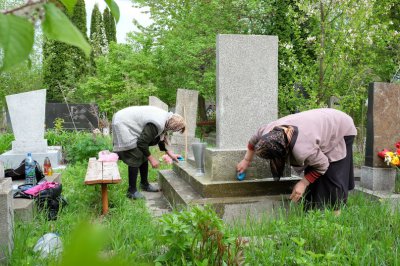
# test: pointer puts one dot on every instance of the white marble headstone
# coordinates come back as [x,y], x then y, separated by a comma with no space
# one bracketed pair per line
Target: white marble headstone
[27,114]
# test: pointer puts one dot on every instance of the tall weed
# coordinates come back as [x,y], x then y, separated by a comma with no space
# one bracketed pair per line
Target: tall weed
[197,236]
[5,142]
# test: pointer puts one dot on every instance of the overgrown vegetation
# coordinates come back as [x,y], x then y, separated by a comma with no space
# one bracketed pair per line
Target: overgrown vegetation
[198,237]
[366,233]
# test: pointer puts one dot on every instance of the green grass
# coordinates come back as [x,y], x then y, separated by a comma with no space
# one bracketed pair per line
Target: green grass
[128,229]
[366,233]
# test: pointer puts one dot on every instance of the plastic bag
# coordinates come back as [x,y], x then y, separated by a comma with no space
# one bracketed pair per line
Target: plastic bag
[107,156]
[49,244]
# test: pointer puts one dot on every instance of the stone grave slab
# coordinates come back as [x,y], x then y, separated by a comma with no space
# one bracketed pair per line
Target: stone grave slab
[382,132]
[6,219]
[75,116]
[186,106]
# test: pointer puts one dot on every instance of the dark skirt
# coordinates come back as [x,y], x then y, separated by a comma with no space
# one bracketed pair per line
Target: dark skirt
[331,189]
[133,157]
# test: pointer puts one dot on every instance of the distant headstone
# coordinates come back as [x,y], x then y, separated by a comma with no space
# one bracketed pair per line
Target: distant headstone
[186,106]
[27,115]
[75,116]
[154,101]
[333,102]
[247,87]
[383,119]
[6,219]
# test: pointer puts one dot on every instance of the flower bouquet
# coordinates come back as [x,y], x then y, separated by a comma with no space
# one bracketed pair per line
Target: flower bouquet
[390,157]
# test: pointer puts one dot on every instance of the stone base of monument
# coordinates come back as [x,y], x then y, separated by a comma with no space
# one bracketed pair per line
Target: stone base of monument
[378,179]
[177,144]
[391,198]
[220,164]
[12,159]
[6,220]
[233,200]
[24,208]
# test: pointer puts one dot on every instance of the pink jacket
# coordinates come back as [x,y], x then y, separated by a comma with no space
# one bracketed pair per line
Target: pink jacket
[320,137]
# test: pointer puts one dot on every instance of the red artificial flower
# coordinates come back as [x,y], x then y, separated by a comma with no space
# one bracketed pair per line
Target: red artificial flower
[383,153]
[398,145]
[398,151]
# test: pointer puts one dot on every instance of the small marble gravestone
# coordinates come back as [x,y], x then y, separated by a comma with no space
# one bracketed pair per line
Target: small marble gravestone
[27,114]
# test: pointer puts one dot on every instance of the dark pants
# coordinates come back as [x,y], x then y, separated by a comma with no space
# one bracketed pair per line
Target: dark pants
[133,174]
[331,189]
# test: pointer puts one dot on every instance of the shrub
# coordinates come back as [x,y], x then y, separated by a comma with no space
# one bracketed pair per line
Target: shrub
[86,145]
[198,237]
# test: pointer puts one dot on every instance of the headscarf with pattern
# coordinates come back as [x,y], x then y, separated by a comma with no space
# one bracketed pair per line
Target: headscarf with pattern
[175,123]
[273,146]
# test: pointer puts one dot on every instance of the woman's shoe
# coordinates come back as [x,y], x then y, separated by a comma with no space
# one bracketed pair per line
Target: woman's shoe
[149,188]
[135,195]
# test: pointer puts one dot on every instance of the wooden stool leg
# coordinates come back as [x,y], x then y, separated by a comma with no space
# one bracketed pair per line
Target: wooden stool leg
[104,198]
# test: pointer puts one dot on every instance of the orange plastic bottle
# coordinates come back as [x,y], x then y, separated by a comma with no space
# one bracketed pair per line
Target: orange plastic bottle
[47,167]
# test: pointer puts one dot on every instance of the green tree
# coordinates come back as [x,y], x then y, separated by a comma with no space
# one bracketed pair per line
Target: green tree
[182,41]
[65,65]
[119,81]
[109,25]
[57,70]
[81,62]
[97,33]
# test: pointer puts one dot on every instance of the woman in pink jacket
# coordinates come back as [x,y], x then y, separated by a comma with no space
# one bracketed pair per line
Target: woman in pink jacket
[318,142]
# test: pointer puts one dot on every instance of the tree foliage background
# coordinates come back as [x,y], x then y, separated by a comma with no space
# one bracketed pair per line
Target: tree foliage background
[326,48]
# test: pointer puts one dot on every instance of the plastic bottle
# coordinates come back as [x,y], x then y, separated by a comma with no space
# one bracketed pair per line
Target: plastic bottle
[30,174]
[47,167]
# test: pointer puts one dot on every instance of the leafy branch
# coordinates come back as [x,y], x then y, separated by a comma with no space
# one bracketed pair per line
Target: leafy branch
[17,28]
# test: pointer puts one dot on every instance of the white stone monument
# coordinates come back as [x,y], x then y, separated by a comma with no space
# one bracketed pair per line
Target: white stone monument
[27,114]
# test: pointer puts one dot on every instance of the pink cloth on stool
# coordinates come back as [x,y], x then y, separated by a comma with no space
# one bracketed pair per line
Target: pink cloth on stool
[34,191]
[107,156]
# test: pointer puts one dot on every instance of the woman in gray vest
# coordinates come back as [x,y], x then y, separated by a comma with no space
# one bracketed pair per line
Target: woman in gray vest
[318,142]
[134,130]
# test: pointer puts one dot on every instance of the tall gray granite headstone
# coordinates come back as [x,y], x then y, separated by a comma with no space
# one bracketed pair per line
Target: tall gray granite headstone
[27,114]
[247,87]
[154,101]
[382,132]
[186,106]
[6,216]
[247,97]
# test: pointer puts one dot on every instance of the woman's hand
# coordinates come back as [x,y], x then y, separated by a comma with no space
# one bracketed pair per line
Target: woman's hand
[299,189]
[173,156]
[242,166]
[154,163]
